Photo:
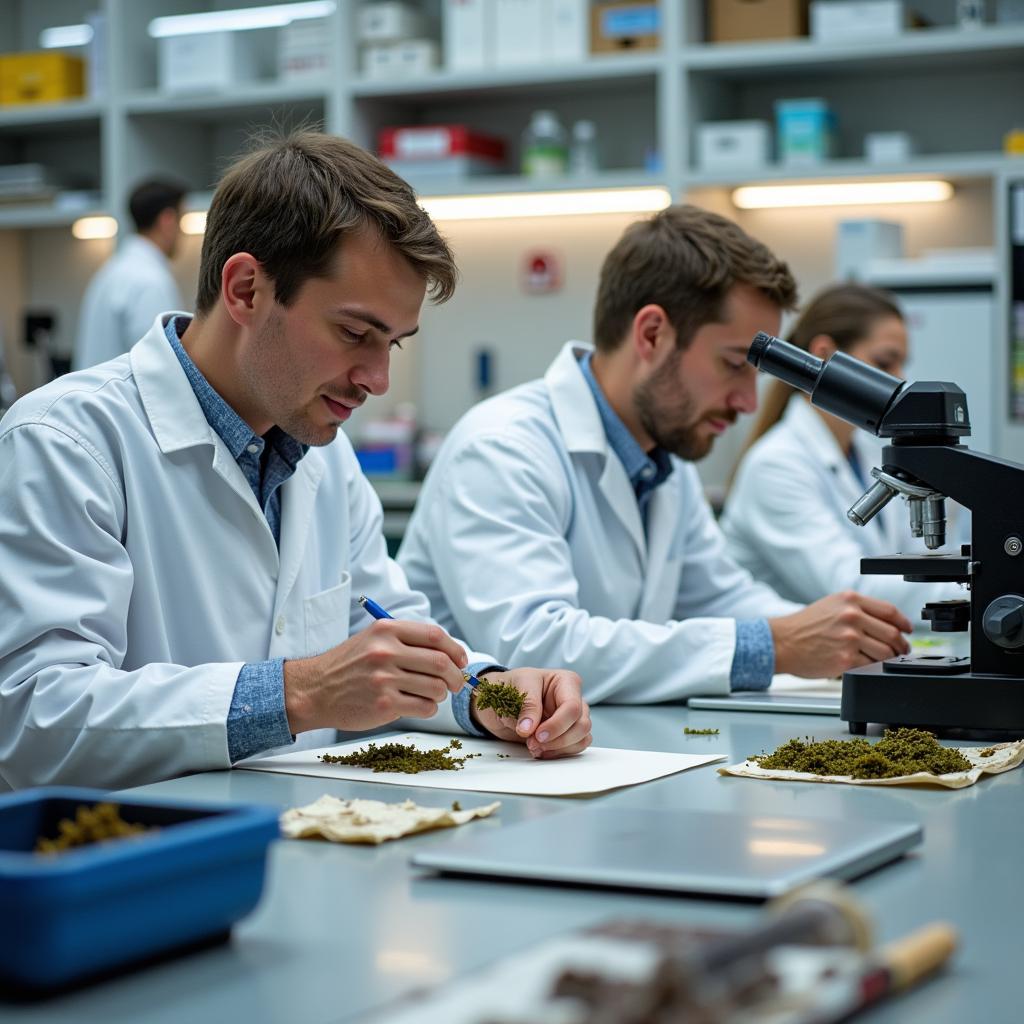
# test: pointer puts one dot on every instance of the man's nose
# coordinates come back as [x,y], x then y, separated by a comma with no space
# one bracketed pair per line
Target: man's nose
[373,375]
[744,397]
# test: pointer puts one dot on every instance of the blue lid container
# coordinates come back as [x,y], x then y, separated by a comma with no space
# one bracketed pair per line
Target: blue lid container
[94,908]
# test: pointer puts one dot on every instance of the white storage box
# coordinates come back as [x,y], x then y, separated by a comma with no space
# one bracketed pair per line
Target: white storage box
[888,147]
[409,59]
[303,50]
[724,145]
[568,31]
[842,20]
[858,242]
[519,28]
[468,34]
[387,22]
[210,61]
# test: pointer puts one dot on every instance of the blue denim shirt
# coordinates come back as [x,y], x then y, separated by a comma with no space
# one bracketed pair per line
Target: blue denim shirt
[753,660]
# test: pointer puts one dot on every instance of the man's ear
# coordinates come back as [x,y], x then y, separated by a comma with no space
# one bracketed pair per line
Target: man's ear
[240,280]
[652,332]
[822,346]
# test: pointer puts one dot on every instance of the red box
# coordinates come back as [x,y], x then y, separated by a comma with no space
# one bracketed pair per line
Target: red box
[438,142]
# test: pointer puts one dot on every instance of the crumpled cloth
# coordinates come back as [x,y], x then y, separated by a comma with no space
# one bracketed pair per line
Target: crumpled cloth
[372,821]
[1002,758]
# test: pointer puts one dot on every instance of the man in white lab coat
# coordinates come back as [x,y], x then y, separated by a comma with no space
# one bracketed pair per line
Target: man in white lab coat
[185,535]
[136,282]
[564,520]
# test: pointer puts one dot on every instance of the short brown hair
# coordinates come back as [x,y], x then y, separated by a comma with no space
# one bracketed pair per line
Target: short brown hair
[291,202]
[685,260]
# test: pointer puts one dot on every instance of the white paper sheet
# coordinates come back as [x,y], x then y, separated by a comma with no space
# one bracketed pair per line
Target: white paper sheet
[596,770]
[788,684]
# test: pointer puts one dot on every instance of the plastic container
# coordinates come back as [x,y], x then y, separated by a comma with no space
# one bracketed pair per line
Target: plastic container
[99,907]
[544,153]
[583,151]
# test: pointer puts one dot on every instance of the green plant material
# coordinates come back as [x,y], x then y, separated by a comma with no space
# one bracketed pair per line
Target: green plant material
[97,824]
[456,806]
[504,755]
[687,731]
[504,699]
[987,752]
[402,757]
[898,752]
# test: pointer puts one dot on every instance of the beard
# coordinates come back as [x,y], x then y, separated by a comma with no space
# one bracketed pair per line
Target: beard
[670,414]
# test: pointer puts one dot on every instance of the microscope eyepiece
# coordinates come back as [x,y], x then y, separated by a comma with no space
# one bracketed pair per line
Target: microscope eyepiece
[842,385]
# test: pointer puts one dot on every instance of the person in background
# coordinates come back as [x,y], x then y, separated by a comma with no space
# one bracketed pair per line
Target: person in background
[785,517]
[564,520]
[186,533]
[136,282]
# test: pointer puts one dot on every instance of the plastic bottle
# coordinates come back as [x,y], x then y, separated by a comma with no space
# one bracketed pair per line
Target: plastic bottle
[583,152]
[544,151]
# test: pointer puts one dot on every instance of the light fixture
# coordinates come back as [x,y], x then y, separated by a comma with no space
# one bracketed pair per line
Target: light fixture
[94,227]
[240,19]
[64,37]
[854,193]
[193,222]
[546,204]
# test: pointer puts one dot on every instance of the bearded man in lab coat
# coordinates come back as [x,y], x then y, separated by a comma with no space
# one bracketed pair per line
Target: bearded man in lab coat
[564,521]
[136,283]
[185,534]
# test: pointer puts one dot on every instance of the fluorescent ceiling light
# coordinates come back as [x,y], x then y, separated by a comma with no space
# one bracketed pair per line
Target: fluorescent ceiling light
[94,227]
[194,222]
[63,37]
[273,16]
[756,197]
[546,204]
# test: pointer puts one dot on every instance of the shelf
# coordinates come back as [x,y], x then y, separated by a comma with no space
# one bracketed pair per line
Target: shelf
[42,215]
[213,106]
[495,184]
[586,75]
[955,167]
[940,49]
[45,117]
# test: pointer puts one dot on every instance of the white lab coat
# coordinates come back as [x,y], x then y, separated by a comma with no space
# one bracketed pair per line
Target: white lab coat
[140,574]
[128,291]
[785,518]
[527,538]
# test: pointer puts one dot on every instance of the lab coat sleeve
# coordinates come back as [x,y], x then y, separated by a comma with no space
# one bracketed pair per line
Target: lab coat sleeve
[782,515]
[714,584]
[378,576]
[501,558]
[70,712]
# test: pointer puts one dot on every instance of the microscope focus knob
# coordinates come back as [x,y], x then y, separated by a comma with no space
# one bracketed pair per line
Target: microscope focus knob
[1003,621]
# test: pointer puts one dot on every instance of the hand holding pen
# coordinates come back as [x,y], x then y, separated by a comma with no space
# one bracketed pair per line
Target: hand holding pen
[374,609]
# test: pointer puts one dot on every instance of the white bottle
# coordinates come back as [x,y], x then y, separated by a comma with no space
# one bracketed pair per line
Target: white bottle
[544,152]
[583,152]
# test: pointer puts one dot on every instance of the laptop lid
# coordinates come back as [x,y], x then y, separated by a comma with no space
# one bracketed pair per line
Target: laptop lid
[755,856]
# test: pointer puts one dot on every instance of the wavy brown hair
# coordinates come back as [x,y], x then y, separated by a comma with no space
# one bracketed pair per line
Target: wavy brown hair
[686,260]
[291,202]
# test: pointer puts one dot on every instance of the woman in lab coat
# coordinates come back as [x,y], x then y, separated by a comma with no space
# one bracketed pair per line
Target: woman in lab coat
[785,517]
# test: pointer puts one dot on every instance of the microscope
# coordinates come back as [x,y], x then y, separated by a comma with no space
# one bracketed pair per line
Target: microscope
[925,463]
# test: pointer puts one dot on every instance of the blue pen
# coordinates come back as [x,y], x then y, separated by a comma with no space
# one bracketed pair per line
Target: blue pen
[377,612]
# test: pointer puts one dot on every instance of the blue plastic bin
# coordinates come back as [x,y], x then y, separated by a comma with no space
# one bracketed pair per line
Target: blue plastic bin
[94,908]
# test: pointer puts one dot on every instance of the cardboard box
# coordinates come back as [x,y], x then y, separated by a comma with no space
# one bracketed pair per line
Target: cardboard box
[888,147]
[387,22]
[858,242]
[210,61]
[731,21]
[519,29]
[47,77]
[842,20]
[617,25]
[726,145]
[468,34]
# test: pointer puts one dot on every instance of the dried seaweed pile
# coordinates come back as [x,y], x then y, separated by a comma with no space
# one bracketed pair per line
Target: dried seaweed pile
[403,757]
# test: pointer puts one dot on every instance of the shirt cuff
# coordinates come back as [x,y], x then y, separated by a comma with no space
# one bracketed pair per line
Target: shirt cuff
[460,700]
[753,661]
[257,719]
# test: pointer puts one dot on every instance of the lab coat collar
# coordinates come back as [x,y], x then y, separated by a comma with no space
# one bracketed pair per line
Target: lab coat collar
[579,422]
[174,411]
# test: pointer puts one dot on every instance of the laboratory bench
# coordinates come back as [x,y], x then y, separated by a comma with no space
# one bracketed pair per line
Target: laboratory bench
[343,930]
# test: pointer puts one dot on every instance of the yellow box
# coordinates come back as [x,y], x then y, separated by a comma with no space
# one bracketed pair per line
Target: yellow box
[40,77]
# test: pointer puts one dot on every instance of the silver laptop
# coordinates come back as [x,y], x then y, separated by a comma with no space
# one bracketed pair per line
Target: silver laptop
[759,700]
[756,856]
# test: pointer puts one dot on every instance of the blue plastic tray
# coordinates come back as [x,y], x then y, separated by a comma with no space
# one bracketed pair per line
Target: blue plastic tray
[95,908]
